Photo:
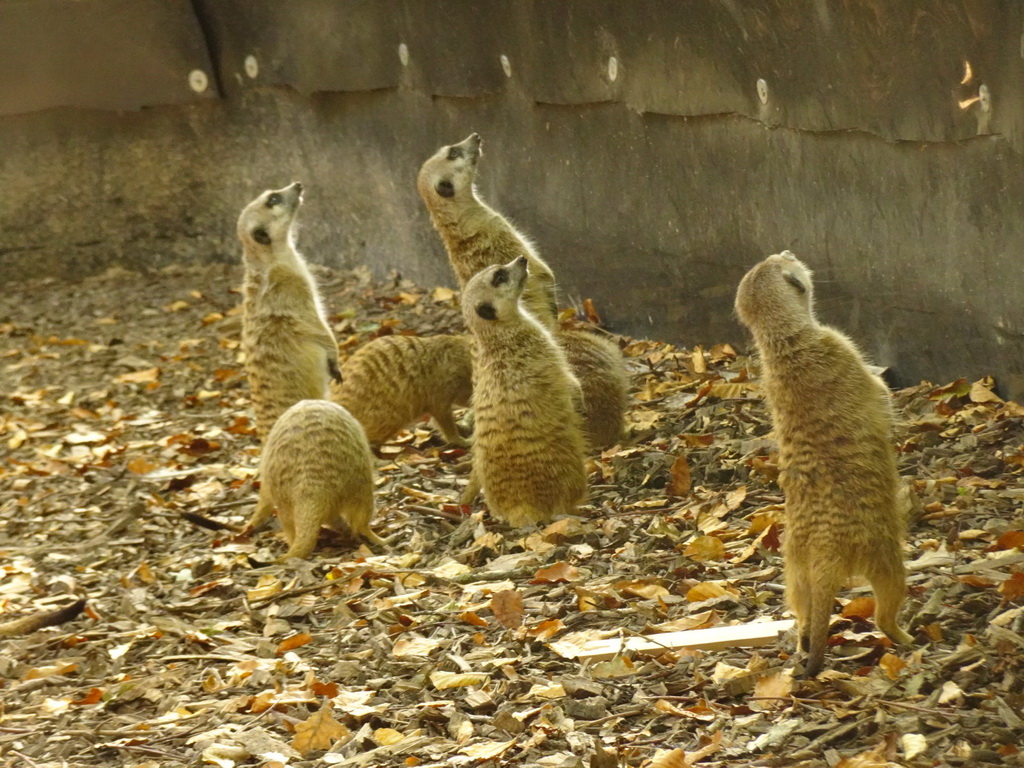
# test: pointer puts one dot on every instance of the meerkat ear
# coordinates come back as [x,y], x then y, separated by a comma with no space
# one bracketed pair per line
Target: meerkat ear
[260,235]
[445,188]
[487,311]
[795,281]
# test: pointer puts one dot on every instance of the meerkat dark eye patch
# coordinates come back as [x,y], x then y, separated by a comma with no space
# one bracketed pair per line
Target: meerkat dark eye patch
[487,311]
[454,153]
[795,282]
[445,188]
[500,277]
[260,235]
[274,199]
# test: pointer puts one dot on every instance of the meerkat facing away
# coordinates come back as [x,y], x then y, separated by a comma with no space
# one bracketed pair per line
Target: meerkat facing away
[290,351]
[393,380]
[474,234]
[833,420]
[528,445]
[599,365]
[316,470]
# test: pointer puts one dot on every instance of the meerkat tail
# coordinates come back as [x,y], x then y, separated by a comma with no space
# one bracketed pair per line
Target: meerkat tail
[263,512]
[43,619]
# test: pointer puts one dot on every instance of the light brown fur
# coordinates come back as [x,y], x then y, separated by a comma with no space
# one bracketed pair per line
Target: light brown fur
[290,351]
[391,381]
[475,235]
[528,445]
[598,364]
[833,420]
[316,470]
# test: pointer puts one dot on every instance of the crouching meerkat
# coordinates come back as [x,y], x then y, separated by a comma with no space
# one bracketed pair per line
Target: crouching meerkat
[601,369]
[316,470]
[391,381]
[833,420]
[290,351]
[474,234]
[527,444]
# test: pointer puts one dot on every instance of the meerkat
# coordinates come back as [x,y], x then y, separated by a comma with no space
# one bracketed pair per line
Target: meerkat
[317,470]
[290,351]
[393,380]
[833,420]
[474,234]
[598,364]
[528,444]
[42,619]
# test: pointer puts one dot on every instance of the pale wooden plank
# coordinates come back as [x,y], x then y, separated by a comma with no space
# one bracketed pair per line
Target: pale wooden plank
[750,635]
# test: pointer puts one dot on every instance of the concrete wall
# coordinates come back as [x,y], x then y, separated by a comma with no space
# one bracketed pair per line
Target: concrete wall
[870,148]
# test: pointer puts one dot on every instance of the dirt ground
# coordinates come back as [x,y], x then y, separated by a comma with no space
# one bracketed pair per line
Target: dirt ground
[124,406]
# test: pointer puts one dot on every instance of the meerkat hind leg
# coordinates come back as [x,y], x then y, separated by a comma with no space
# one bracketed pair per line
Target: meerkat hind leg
[889,583]
[798,597]
[446,423]
[822,600]
[472,489]
[301,534]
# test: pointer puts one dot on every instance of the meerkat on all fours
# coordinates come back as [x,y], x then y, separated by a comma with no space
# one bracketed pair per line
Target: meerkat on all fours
[393,380]
[833,421]
[601,369]
[290,351]
[528,445]
[316,470]
[474,234]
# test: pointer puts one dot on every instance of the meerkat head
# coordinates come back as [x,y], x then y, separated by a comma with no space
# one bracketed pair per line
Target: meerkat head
[448,175]
[777,293]
[491,297]
[266,222]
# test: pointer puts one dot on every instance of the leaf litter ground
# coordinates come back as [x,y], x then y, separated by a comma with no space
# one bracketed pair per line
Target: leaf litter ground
[125,406]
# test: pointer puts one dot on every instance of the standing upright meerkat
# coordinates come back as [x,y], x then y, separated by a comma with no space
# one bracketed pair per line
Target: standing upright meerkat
[316,470]
[391,381]
[290,351]
[474,234]
[833,420]
[598,364]
[527,444]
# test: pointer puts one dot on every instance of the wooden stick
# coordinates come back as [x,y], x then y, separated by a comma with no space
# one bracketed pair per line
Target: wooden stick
[732,636]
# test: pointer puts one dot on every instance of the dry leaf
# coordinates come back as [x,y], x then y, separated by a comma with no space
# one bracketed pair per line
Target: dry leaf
[442,680]
[773,691]
[138,377]
[507,607]
[1013,587]
[705,549]
[559,572]
[319,732]
[893,665]
[680,482]
[705,591]
[674,758]
[414,645]
[387,737]
[141,466]
[913,744]
[94,696]
[487,750]
[293,642]
[861,607]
